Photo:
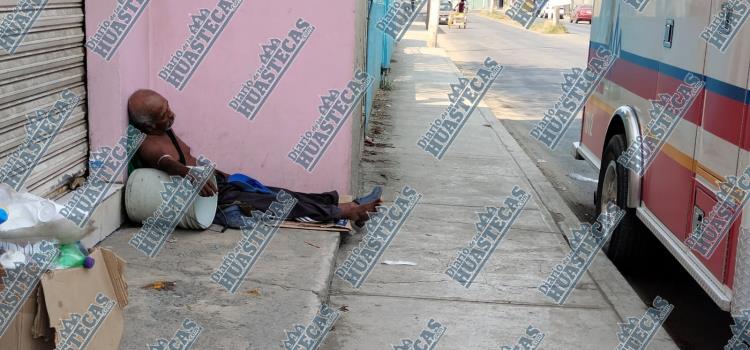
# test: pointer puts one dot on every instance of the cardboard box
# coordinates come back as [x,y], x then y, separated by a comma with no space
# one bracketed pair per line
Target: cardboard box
[39,324]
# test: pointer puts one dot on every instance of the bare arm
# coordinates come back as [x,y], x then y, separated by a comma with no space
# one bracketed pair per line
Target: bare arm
[156,158]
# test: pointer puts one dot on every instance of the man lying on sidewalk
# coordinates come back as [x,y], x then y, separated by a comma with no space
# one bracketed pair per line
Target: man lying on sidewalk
[162,149]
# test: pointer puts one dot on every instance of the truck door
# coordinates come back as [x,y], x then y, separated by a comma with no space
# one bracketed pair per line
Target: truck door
[669,182]
[723,141]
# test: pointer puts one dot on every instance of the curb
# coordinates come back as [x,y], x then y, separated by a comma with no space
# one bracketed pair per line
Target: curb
[612,285]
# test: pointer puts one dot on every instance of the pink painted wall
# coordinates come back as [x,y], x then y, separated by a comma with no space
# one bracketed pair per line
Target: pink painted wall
[258,148]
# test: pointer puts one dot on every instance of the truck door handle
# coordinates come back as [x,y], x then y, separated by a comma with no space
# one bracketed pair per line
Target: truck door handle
[698,216]
[668,33]
[726,16]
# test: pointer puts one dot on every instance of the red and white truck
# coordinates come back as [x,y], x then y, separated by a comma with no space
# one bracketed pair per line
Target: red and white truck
[709,146]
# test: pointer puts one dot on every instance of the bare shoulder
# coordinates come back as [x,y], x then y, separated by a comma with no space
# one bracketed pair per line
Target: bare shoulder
[183,145]
[151,149]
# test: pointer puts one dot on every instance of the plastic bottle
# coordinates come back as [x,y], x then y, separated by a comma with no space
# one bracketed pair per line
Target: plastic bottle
[71,256]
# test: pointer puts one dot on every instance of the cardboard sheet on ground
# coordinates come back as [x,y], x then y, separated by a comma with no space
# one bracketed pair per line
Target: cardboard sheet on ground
[69,291]
[72,291]
[324,226]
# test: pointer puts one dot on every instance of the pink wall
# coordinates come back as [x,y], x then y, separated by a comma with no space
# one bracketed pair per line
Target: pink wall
[258,148]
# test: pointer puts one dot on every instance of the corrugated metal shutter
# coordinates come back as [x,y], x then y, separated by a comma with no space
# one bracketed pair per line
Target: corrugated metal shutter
[49,60]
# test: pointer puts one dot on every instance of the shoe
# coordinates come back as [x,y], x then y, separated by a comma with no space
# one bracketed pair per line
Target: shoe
[377,191]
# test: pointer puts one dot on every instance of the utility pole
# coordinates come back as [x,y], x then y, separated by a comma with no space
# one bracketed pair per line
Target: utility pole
[427,18]
[433,19]
[555,15]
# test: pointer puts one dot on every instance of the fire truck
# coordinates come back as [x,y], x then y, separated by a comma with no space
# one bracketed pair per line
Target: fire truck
[657,46]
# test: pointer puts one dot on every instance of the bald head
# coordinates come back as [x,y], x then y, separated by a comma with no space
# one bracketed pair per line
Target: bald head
[149,112]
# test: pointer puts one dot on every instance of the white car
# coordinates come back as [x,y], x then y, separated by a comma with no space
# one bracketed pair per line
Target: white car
[547,12]
[446,7]
[563,5]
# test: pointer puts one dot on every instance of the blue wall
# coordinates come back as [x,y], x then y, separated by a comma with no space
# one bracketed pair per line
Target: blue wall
[379,50]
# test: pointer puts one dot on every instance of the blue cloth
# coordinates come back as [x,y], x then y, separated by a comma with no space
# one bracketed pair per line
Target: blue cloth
[229,217]
[248,184]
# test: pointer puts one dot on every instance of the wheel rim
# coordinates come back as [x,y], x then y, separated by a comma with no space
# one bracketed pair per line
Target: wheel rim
[609,187]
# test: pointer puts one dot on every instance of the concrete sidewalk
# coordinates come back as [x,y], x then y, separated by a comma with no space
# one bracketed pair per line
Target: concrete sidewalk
[286,286]
[479,170]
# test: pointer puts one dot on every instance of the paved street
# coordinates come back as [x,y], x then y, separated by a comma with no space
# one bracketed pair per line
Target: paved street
[582,29]
[530,84]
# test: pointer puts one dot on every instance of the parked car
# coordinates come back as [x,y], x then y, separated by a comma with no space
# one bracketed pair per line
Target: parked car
[547,12]
[446,7]
[562,6]
[582,13]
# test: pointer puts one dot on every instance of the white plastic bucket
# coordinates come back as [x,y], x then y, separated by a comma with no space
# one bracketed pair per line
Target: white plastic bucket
[143,197]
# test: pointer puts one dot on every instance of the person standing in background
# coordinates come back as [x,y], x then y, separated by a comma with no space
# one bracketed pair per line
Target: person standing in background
[461,5]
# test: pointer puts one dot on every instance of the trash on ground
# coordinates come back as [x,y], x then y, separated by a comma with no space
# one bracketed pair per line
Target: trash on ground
[398,262]
[312,244]
[161,285]
[17,253]
[254,292]
[31,218]
[73,255]
[11,259]
[49,304]
[582,178]
[76,182]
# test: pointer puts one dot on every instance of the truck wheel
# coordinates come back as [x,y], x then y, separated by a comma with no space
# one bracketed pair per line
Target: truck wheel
[624,247]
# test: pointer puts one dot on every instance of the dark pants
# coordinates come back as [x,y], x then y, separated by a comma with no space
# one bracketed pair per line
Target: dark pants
[317,206]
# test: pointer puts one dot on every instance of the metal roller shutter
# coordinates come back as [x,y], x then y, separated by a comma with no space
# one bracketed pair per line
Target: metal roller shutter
[49,60]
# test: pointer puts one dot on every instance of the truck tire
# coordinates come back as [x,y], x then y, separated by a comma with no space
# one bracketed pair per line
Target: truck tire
[625,246]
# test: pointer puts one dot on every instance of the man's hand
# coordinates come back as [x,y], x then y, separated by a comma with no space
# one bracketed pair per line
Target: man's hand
[209,189]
